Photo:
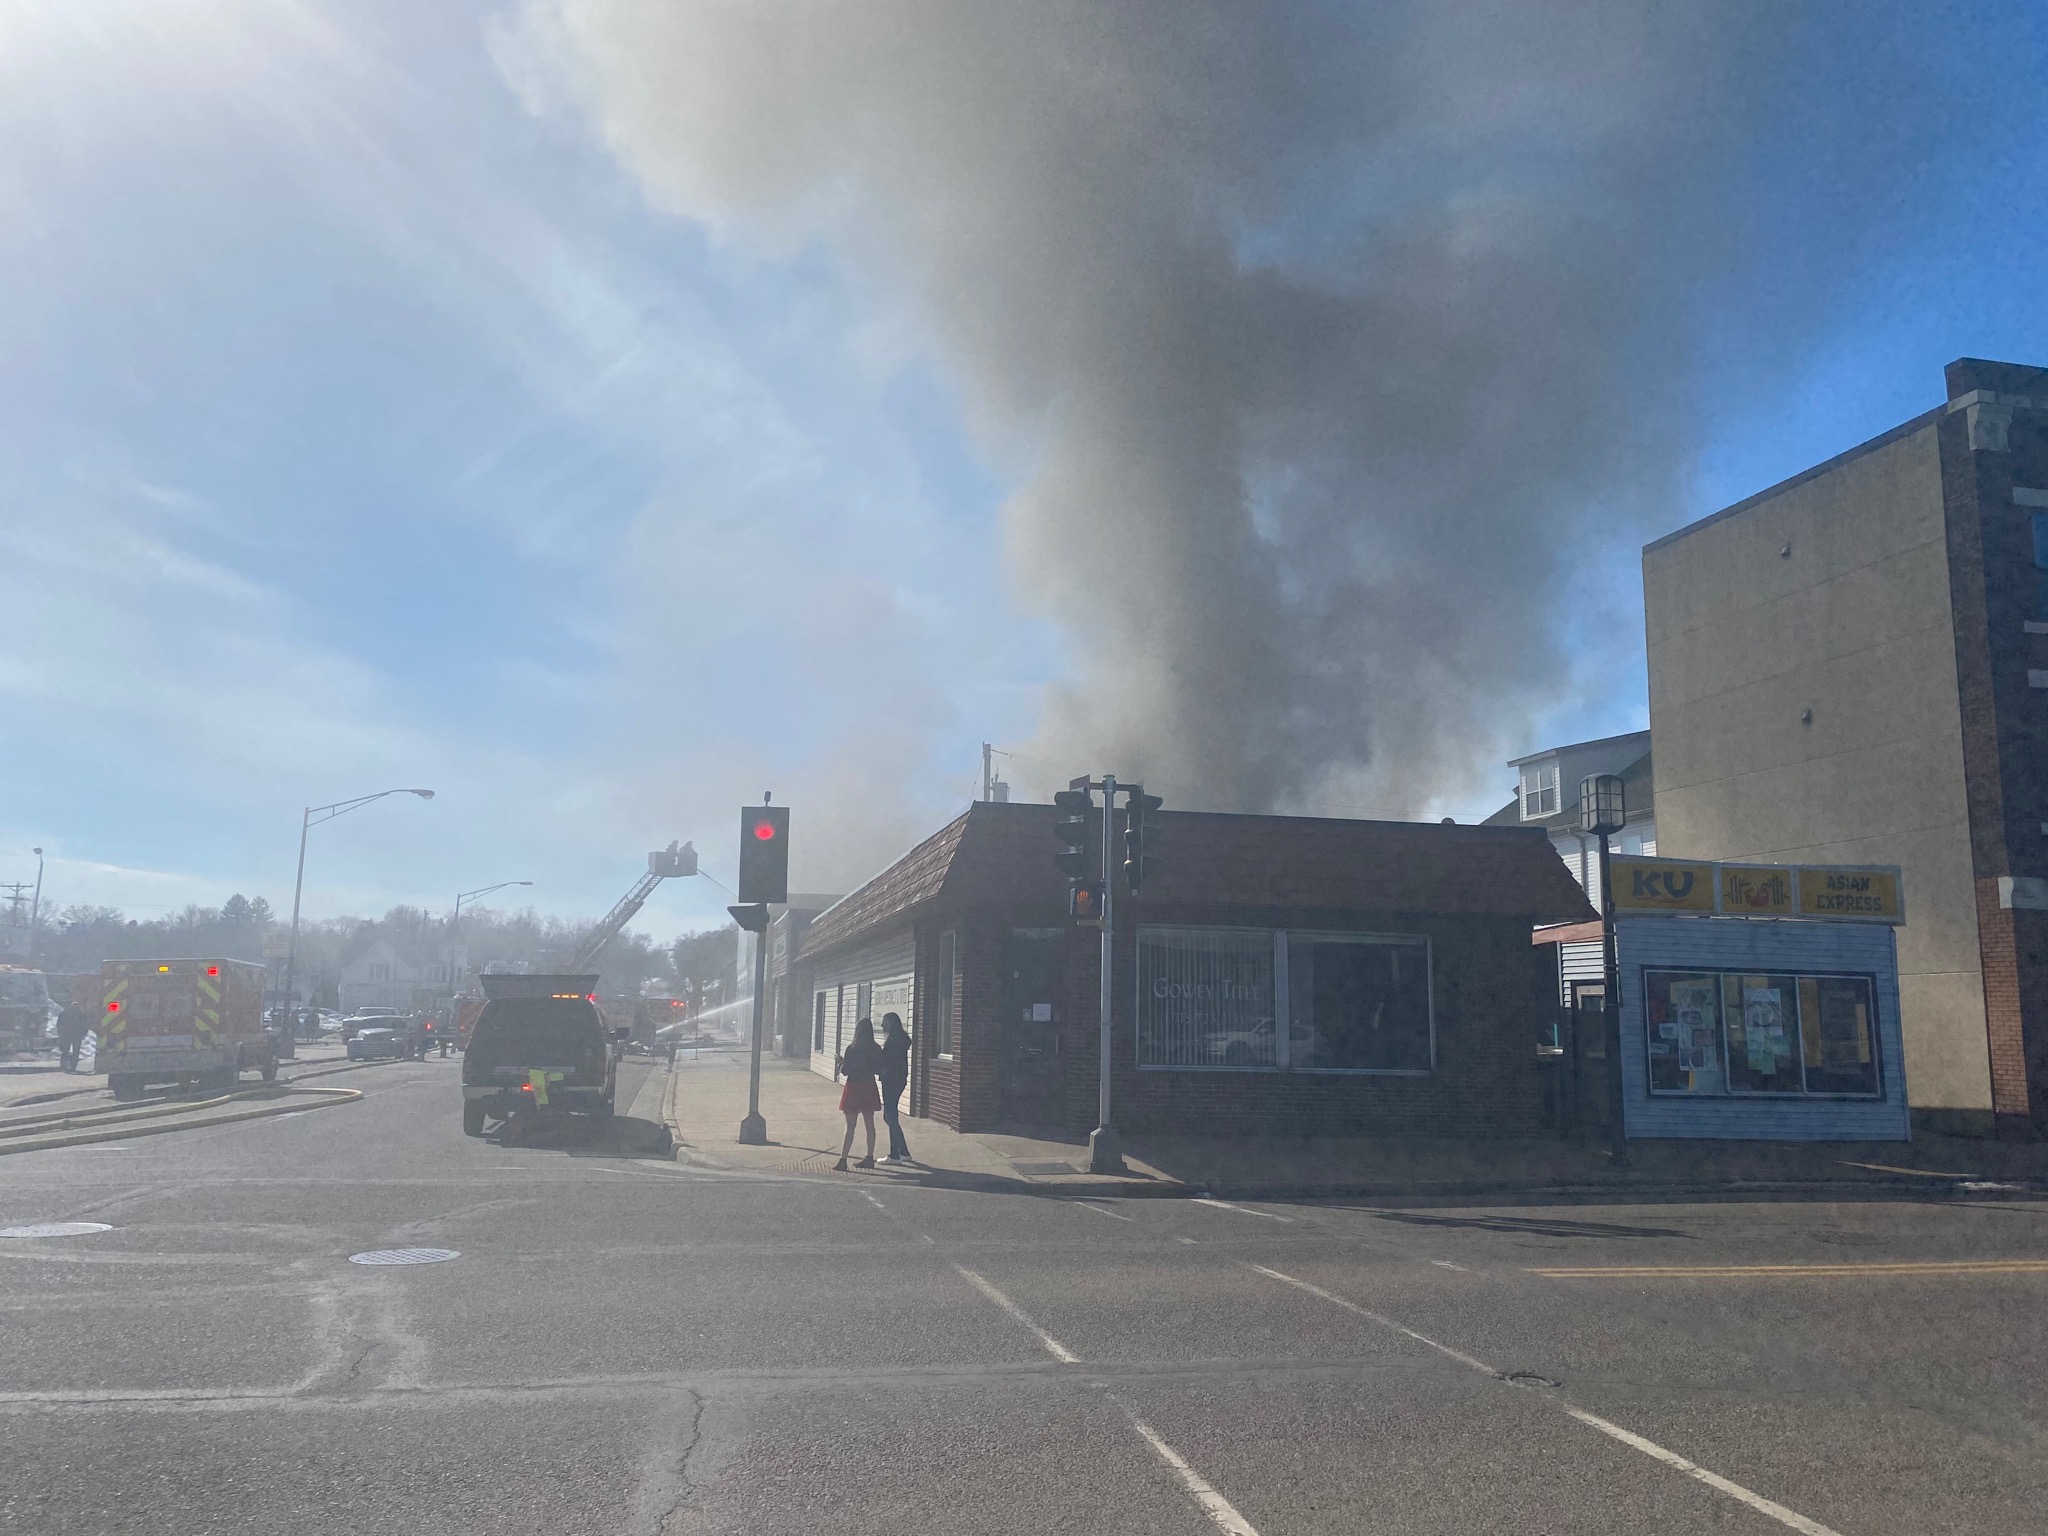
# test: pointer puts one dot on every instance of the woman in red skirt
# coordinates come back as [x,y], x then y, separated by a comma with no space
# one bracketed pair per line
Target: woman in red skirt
[861,1096]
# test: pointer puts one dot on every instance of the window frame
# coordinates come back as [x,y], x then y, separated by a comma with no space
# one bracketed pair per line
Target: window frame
[1723,976]
[1534,779]
[945,1013]
[1283,1023]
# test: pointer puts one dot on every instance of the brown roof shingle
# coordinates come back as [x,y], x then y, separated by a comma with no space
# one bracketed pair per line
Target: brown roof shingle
[1003,853]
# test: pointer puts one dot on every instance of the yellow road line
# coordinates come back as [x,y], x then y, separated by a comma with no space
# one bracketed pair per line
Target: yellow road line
[1800,1271]
[1918,1173]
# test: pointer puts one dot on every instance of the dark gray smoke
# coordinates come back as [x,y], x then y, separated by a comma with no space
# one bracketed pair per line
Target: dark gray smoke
[1323,342]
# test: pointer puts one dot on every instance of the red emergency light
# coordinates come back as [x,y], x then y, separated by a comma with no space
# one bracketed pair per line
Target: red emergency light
[213,970]
[113,1007]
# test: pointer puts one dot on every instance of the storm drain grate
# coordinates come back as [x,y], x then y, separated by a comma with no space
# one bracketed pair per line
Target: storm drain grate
[404,1256]
[57,1229]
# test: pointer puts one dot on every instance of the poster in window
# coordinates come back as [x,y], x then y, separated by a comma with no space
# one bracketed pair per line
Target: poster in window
[1763,1029]
[1692,1006]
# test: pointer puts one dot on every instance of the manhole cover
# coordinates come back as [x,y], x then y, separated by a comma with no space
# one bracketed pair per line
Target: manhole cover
[56,1229]
[1530,1379]
[404,1256]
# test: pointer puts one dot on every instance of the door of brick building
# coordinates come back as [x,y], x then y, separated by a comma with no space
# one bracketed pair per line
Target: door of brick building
[1031,1065]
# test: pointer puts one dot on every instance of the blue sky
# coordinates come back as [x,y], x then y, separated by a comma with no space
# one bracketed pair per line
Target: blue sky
[362,426]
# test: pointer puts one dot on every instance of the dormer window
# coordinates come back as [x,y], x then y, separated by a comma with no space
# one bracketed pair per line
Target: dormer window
[1539,790]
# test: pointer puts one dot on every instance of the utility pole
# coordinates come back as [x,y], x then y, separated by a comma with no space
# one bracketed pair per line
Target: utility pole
[1104,1154]
[35,908]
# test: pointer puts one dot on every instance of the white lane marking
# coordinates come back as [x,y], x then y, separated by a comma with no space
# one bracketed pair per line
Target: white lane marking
[1188,1240]
[1104,1211]
[1053,1346]
[1214,1505]
[1447,1264]
[1385,1322]
[871,1200]
[1219,1509]
[1714,1480]
[1225,1205]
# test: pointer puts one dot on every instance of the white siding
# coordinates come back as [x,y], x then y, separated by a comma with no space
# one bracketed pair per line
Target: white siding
[886,967]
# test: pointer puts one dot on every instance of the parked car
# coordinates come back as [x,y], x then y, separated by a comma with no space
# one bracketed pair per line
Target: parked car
[368,1018]
[380,1042]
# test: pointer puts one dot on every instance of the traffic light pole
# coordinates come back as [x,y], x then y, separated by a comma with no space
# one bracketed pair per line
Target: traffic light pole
[754,918]
[1104,1154]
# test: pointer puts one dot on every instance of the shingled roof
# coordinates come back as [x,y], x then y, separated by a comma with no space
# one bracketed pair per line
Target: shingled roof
[1003,853]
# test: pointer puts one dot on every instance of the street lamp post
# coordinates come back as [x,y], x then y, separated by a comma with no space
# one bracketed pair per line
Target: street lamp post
[1603,811]
[462,896]
[315,814]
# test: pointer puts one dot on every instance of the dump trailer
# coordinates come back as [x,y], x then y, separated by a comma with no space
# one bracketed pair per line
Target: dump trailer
[195,1023]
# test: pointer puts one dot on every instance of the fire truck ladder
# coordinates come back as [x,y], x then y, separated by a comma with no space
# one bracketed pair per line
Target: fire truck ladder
[676,859]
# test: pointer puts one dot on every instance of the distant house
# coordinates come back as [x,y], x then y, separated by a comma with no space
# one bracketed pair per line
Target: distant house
[1547,796]
[383,973]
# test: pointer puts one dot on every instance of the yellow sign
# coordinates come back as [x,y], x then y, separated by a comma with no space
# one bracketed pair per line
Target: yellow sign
[1662,885]
[1756,890]
[1863,895]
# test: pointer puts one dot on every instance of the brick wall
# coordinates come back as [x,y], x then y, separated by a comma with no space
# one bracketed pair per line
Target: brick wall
[1996,591]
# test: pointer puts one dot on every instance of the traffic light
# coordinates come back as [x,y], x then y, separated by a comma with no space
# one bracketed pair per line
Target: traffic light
[1076,859]
[1139,826]
[764,854]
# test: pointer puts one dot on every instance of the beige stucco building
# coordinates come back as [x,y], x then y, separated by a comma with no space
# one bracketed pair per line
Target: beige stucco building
[1849,668]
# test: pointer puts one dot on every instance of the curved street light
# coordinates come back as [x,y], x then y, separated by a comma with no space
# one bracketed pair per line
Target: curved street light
[486,890]
[316,814]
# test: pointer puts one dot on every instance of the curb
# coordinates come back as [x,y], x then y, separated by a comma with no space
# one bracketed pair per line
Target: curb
[327,1096]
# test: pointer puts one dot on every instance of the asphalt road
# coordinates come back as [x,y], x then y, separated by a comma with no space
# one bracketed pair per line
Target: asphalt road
[627,1345]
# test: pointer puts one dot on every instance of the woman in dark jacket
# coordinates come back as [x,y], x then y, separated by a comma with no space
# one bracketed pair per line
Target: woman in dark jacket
[895,1078]
[860,1097]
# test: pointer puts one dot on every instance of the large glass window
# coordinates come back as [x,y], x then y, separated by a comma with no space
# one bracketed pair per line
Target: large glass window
[1205,998]
[1835,1016]
[1684,1017]
[1358,1003]
[1254,999]
[1761,1019]
[1719,1033]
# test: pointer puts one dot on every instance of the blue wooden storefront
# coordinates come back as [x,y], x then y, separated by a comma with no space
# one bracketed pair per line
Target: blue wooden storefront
[1776,947]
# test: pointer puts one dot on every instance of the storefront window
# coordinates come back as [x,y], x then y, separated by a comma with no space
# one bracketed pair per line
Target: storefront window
[1835,1018]
[1722,1033]
[1762,1018]
[1684,1016]
[1205,998]
[1358,1004]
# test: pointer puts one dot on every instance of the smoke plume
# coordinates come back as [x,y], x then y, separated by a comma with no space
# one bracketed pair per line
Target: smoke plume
[1321,343]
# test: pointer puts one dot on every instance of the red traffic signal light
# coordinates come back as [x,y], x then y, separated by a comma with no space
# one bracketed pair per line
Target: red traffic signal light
[764,854]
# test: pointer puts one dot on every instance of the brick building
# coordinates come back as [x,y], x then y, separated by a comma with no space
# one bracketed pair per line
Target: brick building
[1852,667]
[1279,974]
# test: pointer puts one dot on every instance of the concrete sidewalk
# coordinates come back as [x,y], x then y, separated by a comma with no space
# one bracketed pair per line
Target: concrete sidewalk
[706,1099]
